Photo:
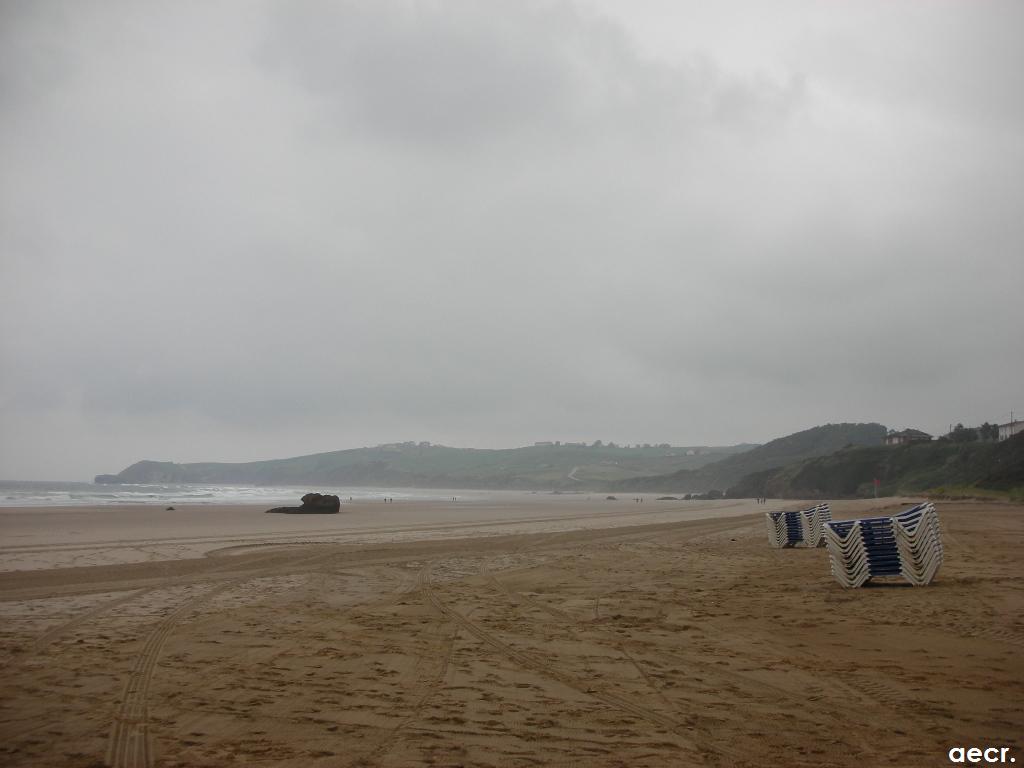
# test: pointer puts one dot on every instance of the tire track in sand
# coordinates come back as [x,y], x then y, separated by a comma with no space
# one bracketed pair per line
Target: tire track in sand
[997,634]
[570,623]
[430,687]
[546,669]
[129,744]
[700,725]
[518,598]
[51,635]
[718,751]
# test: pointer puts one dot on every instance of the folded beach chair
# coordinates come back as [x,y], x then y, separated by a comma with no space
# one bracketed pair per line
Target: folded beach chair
[813,521]
[908,544]
[805,526]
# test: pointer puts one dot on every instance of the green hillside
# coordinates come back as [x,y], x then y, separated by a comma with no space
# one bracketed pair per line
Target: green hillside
[817,441]
[548,467]
[900,469]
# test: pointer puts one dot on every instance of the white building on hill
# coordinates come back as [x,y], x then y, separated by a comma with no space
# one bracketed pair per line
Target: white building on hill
[1010,429]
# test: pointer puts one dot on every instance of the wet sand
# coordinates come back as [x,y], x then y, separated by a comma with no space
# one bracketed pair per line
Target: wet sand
[542,632]
[57,537]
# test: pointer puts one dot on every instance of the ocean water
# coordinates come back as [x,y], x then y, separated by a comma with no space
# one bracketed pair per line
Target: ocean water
[22,493]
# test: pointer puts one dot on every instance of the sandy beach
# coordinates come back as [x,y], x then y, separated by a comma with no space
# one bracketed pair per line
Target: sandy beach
[515,632]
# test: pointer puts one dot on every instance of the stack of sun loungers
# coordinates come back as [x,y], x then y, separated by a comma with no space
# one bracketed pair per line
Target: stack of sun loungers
[805,526]
[908,544]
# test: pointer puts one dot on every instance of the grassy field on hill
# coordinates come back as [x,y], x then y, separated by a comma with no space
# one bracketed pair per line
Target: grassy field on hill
[562,467]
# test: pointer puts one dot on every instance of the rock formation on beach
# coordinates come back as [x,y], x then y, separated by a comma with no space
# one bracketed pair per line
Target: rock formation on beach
[313,504]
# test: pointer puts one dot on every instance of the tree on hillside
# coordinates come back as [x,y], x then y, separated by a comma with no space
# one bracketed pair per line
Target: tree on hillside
[962,434]
[988,431]
[596,444]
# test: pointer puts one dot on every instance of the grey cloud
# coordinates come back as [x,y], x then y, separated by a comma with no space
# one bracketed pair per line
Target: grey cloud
[458,73]
[33,59]
[280,228]
[950,62]
[426,73]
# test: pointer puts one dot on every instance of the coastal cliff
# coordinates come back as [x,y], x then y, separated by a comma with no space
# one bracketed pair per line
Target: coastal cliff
[549,466]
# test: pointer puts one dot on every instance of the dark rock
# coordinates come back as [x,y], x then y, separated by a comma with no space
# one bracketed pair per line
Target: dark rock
[667,498]
[313,504]
[323,502]
[610,498]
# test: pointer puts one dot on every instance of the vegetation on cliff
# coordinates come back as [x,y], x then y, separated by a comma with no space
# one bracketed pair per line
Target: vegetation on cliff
[817,441]
[912,468]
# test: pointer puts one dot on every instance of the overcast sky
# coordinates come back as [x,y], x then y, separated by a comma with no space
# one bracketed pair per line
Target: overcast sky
[232,231]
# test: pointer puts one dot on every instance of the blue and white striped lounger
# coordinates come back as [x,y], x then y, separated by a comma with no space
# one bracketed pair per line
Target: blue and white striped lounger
[908,545]
[805,526]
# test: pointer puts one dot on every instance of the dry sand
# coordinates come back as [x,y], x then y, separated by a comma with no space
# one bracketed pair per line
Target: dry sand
[550,632]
